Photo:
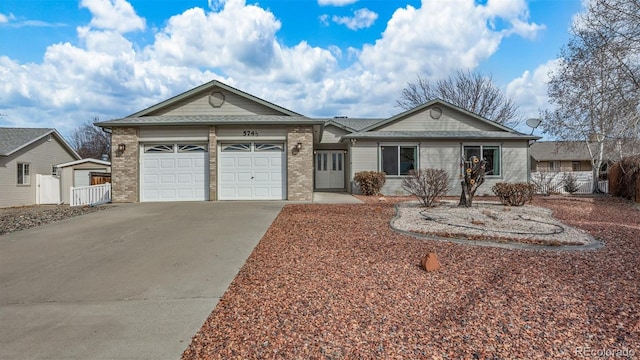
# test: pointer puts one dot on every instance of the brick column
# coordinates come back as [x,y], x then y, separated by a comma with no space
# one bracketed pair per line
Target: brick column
[300,163]
[213,165]
[124,165]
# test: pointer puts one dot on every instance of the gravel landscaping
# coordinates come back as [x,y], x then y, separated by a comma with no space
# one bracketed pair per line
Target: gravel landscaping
[491,223]
[24,217]
[336,282]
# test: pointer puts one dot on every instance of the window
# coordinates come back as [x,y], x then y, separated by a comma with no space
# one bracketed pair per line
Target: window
[398,160]
[183,148]
[575,166]
[489,153]
[554,165]
[162,148]
[24,177]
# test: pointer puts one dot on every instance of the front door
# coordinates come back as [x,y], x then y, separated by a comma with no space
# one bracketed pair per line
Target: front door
[329,169]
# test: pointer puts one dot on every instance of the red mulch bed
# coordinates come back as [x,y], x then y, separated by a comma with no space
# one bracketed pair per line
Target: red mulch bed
[335,282]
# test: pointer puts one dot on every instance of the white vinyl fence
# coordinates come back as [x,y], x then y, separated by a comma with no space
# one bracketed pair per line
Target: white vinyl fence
[552,182]
[90,195]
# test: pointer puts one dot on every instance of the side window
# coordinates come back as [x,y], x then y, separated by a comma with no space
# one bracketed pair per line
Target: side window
[24,175]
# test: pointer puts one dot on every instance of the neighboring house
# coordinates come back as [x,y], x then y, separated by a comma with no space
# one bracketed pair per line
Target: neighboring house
[78,173]
[25,153]
[215,142]
[560,156]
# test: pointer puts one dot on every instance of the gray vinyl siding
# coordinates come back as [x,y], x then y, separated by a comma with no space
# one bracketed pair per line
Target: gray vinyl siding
[198,104]
[444,155]
[332,135]
[41,157]
[451,120]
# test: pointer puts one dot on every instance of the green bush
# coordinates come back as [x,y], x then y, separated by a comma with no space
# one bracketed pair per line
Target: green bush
[370,182]
[515,194]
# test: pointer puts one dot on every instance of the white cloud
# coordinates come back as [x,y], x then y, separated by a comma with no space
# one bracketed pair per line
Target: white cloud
[324,19]
[530,89]
[108,75]
[116,15]
[362,18]
[336,2]
[6,18]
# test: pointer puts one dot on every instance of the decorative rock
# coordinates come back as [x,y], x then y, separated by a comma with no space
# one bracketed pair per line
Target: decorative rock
[382,199]
[430,262]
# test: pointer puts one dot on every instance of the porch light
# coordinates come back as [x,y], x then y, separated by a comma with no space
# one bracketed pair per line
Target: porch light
[299,146]
[122,147]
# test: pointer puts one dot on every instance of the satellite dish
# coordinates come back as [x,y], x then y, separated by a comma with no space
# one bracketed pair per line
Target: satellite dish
[533,123]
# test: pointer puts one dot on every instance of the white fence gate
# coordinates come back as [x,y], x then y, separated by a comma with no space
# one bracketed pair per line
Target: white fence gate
[553,182]
[47,189]
[90,195]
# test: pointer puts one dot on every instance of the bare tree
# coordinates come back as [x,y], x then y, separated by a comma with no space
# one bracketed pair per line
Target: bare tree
[469,90]
[90,141]
[595,89]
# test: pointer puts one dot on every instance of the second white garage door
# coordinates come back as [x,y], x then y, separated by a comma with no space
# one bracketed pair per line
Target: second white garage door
[252,171]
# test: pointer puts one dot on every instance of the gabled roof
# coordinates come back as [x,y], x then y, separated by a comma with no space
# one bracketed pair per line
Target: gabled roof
[442,103]
[15,139]
[82,161]
[559,150]
[351,124]
[211,120]
[210,86]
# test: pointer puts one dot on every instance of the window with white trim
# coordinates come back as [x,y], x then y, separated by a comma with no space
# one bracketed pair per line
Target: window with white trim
[398,160]
[554,165]
[160,148]
[24,177]
[236,147]
[490,153]
[183,148]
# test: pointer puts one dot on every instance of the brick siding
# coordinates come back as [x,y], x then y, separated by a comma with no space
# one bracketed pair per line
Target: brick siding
[124,165]
[300,163]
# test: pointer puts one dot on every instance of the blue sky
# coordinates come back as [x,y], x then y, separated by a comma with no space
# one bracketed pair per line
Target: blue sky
[65,62]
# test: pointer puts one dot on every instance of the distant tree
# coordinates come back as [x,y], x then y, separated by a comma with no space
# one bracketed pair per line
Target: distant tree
[468,90]
[595,88]
[89,141]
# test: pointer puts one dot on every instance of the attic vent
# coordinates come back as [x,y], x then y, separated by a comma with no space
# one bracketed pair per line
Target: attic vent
[216,99]
[435,112]
[49,137]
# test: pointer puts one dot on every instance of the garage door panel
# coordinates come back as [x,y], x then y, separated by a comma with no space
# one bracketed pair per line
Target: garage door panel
[244,162]
[167,163]
[185,163]
[251,174]
[173,176]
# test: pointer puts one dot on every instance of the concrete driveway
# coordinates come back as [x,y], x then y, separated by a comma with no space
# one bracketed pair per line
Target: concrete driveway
[134,281]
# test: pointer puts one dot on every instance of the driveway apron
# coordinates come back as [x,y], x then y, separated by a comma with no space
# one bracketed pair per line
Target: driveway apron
[134,281]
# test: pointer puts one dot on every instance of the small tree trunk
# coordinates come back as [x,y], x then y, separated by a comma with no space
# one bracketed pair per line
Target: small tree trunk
[473,177]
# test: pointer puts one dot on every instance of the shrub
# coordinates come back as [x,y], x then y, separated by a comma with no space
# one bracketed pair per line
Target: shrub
[370,182]
[427,185]
[543,181]
[515,194]
[570,183]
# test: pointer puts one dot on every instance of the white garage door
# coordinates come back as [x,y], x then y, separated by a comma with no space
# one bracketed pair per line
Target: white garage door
[174,172]
[252,171]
